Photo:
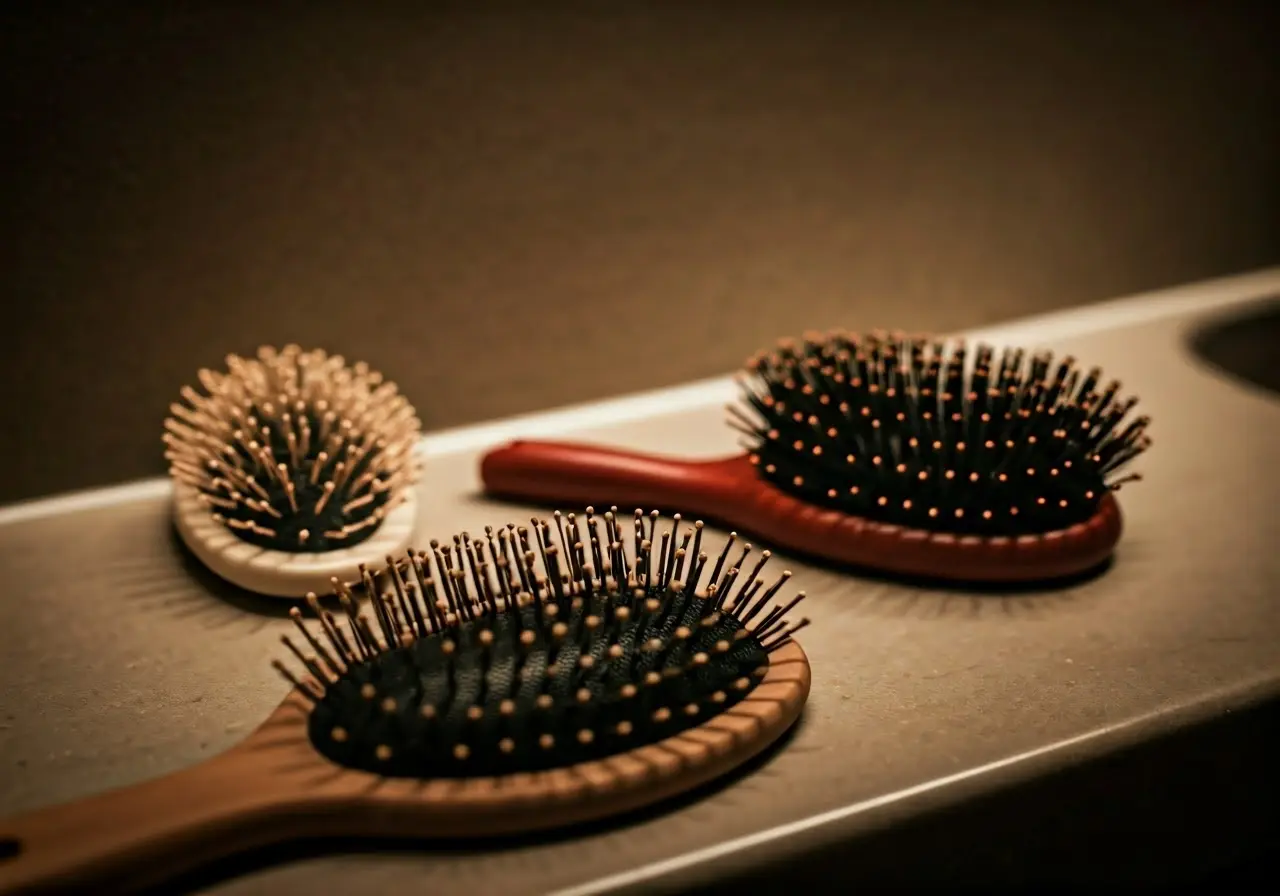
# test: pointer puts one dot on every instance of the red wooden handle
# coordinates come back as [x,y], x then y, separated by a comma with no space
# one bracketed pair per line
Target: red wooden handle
[590,475]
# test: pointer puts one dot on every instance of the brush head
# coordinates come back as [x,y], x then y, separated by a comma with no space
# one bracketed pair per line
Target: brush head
[537,647]
[294,451]
[920,433]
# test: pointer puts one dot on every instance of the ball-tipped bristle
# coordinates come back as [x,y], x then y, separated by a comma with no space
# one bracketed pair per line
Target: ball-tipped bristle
[534,648]
[921,433]
[294,450]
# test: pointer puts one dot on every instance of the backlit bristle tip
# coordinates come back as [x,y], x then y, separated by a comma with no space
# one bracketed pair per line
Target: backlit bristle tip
[941,436]
[293,450]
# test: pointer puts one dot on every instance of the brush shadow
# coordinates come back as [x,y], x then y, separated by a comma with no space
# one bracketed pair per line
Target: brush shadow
[882,599]
[223,591]
[270,857]
[160,574]
[905,594]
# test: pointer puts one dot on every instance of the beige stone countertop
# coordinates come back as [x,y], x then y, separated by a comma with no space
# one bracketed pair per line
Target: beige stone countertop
[122,661]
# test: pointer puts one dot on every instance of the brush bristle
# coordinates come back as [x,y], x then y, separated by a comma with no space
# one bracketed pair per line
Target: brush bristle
[535,648]
[924,434]
[294,450]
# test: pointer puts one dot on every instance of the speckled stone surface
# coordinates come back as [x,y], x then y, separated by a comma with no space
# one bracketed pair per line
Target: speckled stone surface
[122,661]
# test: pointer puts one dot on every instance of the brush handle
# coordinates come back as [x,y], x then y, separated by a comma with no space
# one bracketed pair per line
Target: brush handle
[130,838]
[590,475]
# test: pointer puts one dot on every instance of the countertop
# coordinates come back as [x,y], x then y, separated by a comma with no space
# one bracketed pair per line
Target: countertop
[124,661]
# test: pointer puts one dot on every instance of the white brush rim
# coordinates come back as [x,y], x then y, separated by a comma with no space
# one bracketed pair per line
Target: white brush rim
[286,574]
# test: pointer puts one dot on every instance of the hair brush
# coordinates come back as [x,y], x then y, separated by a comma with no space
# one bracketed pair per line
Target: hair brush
[292,468]
[904,455]
[530,678]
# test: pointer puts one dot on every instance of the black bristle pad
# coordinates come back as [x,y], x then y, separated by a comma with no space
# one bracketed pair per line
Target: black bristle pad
[920,433]
[536,648]
[691,672]
[294,451]
[309,486]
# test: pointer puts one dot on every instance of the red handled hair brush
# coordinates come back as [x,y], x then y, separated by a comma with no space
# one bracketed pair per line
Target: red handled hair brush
[900,454]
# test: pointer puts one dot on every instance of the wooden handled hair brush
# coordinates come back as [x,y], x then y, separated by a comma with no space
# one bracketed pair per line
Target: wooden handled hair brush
[292,468]
[904,455]
[530,678]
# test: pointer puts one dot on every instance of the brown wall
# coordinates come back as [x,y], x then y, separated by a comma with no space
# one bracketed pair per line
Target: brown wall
[521,208]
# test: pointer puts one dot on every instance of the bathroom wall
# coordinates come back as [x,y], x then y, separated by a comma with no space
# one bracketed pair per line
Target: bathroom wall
[512,206]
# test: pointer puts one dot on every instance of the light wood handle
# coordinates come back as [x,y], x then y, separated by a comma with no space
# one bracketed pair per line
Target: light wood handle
[127,839]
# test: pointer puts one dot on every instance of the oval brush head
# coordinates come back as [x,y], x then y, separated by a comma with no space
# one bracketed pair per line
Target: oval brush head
[528,650]
[918,433]
[292,468]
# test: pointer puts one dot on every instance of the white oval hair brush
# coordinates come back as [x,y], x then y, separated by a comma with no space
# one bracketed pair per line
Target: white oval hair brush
[291,469]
